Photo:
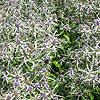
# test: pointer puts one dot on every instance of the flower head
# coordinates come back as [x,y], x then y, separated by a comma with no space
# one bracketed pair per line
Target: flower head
[56,98]
[17,24]
[54,42]
[87,27]
[4,77]
[44,95]
[14,70]
[97,22]
[30,88]
[17,76]
[44,69]
[36,85]
[18,42]
[16,84]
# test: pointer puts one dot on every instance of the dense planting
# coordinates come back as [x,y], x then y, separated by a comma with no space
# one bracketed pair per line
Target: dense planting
[49,49]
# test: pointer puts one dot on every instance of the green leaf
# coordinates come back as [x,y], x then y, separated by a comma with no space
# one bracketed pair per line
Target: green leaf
[98,90]
[66,37]
[28,96]
[56,63]
[91,96]
[51,75]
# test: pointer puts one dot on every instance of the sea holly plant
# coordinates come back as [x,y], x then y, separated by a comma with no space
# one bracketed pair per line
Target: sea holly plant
[26,44]
[49,50]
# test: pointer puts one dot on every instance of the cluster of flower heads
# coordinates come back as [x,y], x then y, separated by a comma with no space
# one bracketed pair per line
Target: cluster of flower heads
[26,41]
[28,38]
[83,58]
[33,87]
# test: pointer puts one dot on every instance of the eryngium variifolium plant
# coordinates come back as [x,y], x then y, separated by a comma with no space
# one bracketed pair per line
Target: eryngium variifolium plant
[29,41]
[26,42]
[82,67]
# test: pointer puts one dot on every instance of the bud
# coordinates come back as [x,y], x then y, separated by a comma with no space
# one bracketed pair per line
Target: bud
[77,58]
[99,64]
[80,26]
[54,16]
[17,14]
[54,42]
[97,22]
[31,46]
[36,85]
[44,95]
[30,88]
[4,15]
[30,17]
[44,45]
[47,86]
[32,25]
[5,44]
[56,98]
[17,24]
[15,93]
[4,68]
[95,77]
[16,6]
[8,91]
[17,76]
[87,27]
[83,48]
[14,70]
[67,26]
[16,84]
[44,69]
[4,52]
[4,77]
[3,27]
[18,42]
[27,82]
[8,97]
[18,34]
[3,19]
